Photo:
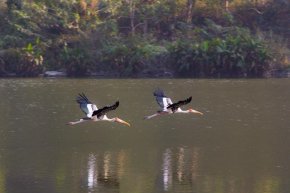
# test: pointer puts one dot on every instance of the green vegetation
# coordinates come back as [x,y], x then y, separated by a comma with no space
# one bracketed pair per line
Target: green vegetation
[144,38]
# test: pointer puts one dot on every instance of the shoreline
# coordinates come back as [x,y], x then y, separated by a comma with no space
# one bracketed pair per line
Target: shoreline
[166,75]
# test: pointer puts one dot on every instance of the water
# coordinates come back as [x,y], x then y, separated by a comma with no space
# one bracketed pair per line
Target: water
[241,144]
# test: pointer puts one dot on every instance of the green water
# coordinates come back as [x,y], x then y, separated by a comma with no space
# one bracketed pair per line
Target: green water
[240,145]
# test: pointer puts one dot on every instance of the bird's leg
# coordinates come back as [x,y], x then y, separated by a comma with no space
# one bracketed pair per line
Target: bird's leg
[76,122]
[155,115]
[151,116]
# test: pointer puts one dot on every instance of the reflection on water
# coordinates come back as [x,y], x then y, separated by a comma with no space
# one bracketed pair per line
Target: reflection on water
[179,166]
[181,171]
[92,172]
[240,145]
[167,169]
[104,170]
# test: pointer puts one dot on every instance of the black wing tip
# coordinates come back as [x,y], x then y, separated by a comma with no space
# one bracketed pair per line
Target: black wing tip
[117,103]
[82,95]
[188,100]
[82,98]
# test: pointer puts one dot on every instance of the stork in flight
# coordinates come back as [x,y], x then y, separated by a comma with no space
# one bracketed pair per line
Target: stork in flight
[95,114]
[168,107]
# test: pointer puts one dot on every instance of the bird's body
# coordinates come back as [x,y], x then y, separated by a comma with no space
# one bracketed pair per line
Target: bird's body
[168,107]
[93,113]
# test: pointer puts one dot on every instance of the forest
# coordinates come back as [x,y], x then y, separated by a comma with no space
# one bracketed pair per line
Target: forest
[145,38]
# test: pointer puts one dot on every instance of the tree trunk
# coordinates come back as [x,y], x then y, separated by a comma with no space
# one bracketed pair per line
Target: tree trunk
[189,11]
[227,5]
[132,17]
[145,27]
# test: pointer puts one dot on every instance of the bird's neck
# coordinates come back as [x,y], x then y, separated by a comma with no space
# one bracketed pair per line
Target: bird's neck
[114,119]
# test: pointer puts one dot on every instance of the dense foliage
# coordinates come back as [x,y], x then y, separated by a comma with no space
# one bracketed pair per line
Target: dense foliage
[144,38]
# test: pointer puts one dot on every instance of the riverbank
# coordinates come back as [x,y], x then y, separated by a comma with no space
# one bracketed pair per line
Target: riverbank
[160,74]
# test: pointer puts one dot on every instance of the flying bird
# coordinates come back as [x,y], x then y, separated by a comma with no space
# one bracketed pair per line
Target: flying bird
[94,114]
[168,107]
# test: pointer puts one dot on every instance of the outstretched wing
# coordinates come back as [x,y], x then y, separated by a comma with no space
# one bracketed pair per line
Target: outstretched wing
[85,105]
[162,100]
[104,110]
[178,104]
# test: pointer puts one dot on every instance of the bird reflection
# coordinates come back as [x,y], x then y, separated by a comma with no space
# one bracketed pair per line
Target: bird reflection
[194,163]
[104,170]
[92,172]
[121,162]
[167,169]
[107,160]
[179,165]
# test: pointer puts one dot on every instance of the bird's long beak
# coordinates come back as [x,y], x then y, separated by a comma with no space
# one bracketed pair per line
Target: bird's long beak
[123,122]
[195,111]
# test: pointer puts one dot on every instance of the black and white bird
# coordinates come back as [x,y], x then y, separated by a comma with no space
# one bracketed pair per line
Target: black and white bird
[168,107]
[95,114]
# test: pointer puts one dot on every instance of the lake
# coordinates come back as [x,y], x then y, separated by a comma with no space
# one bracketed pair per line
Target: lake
[240,145]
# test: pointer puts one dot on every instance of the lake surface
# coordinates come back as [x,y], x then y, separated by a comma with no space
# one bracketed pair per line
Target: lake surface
[240,145]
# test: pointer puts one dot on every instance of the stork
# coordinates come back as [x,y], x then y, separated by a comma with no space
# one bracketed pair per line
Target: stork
[168,107]
[95,114]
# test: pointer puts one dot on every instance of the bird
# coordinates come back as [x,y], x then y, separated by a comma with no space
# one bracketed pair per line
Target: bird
[93,113]
[168,107]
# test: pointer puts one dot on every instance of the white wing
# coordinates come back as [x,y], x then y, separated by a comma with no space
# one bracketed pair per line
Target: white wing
[164,103]
[90,108]
[94,107]
[86,106]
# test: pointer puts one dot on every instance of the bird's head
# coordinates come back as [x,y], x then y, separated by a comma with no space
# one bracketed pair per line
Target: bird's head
[118,120]
[195,111]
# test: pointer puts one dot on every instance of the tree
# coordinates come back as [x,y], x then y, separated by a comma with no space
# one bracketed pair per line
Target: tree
[189,11]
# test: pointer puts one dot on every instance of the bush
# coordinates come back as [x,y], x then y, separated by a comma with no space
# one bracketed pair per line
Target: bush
[131,57]
[232,56]
[77,61]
